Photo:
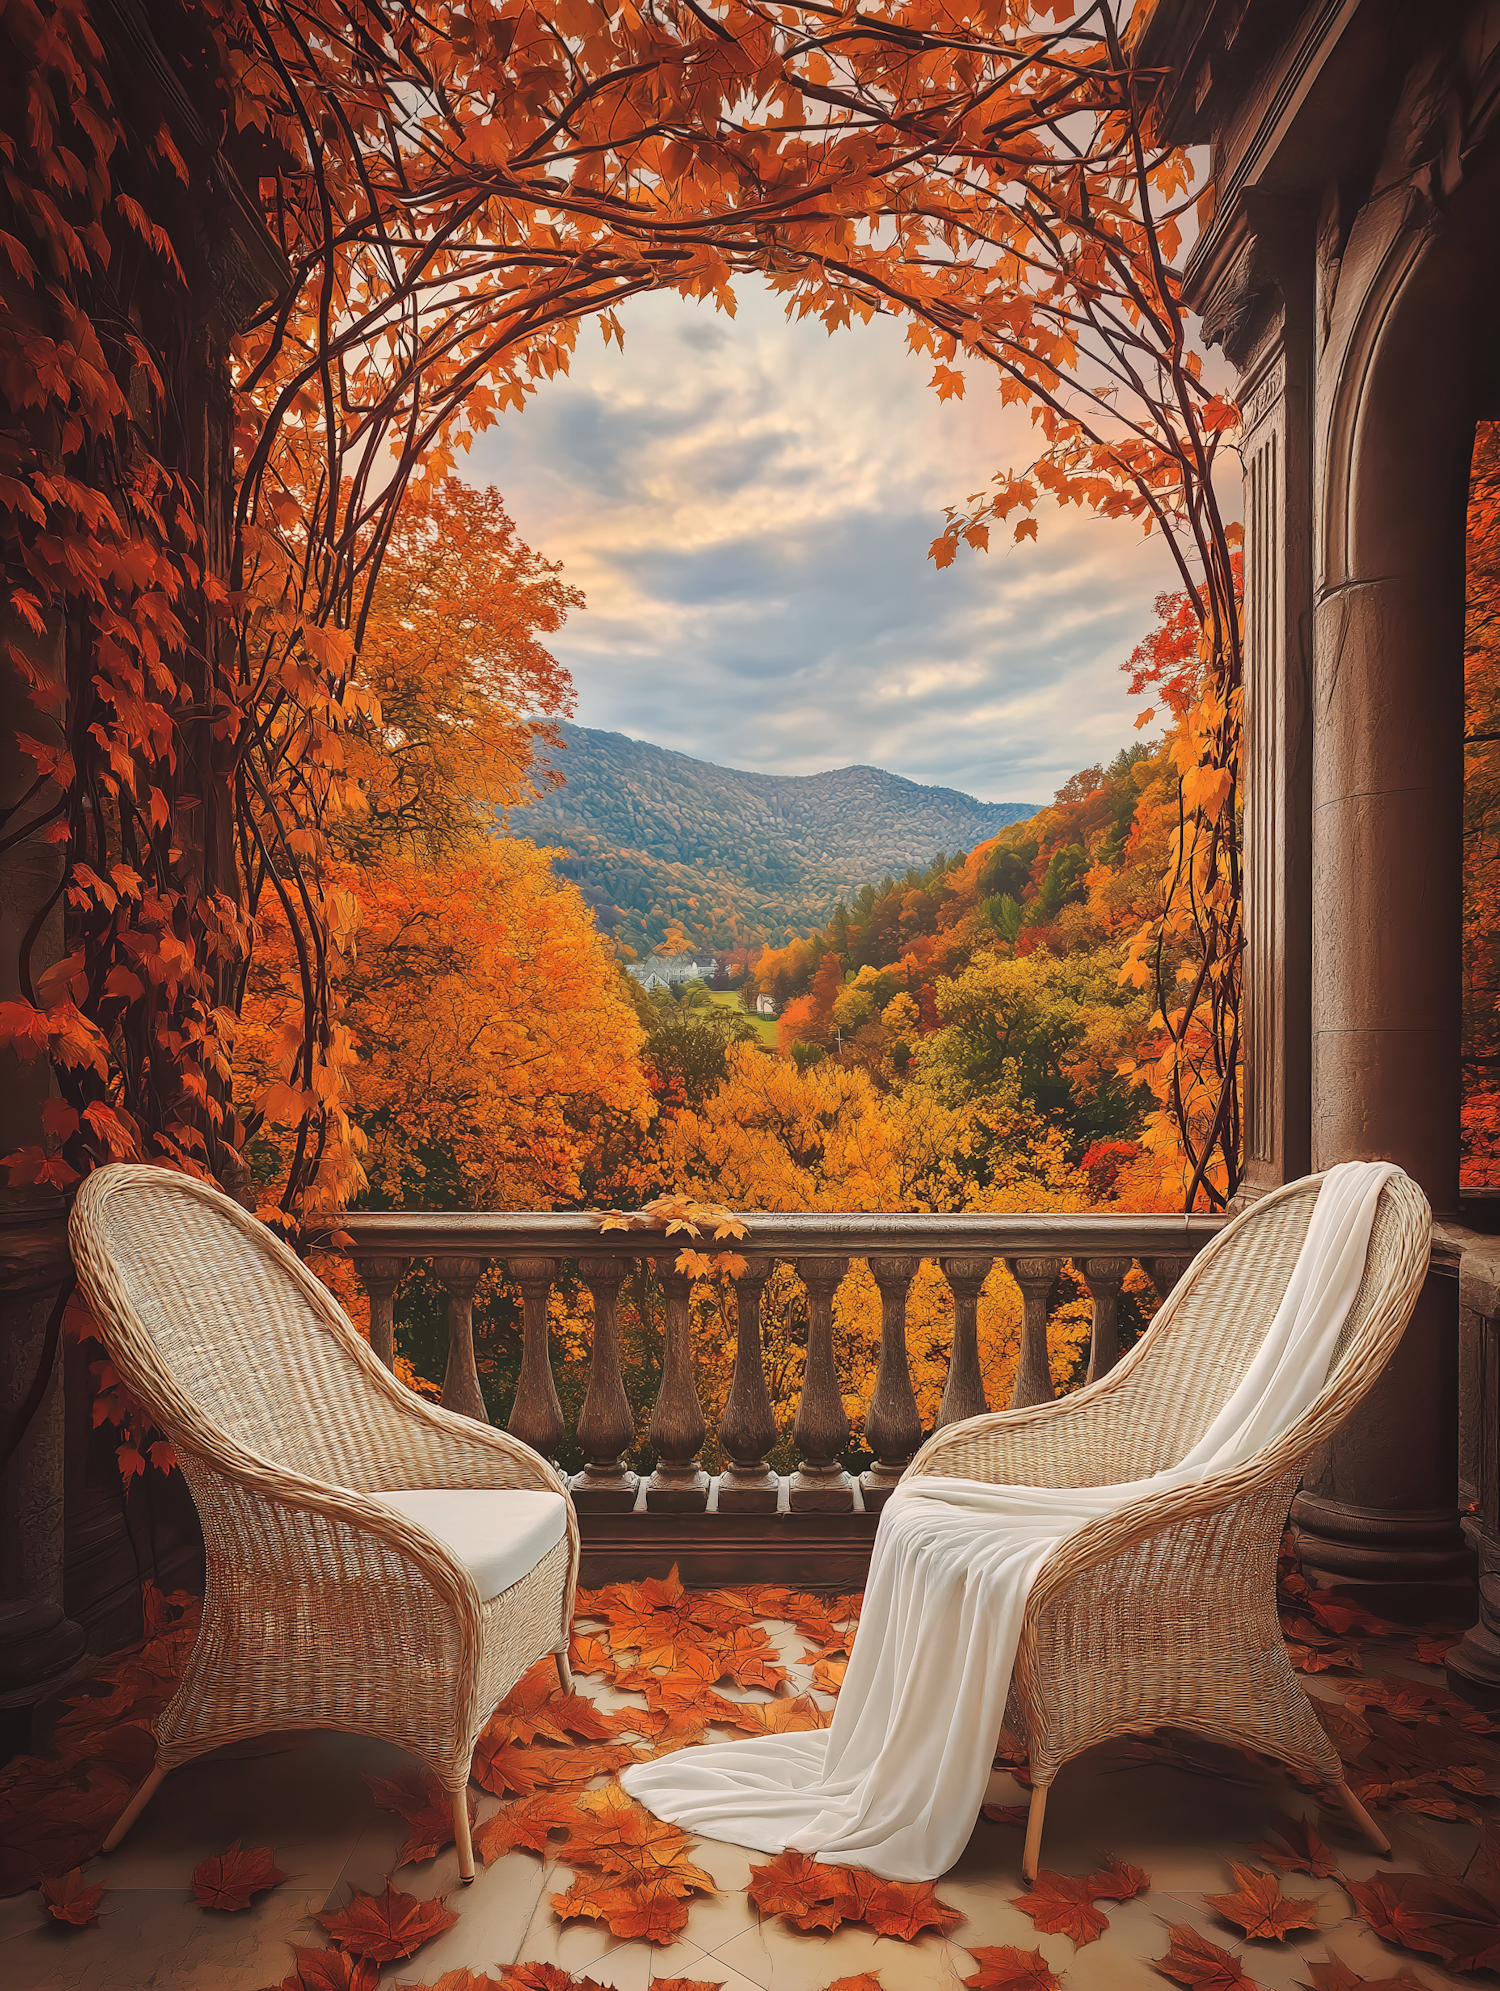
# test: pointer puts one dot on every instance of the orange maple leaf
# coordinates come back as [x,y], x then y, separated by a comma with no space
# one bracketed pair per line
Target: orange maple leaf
[228,1881]
[633,1910]
[1301,1850]
[1195,1961]
[70,1899]
[1009,1969]
[329,1970]
[1063,1905]
[1440,1916]
[527,1824]
[383,1927]
[427,1808]
[1259,1907]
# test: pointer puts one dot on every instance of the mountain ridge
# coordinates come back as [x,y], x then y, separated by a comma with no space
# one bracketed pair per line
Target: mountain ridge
[739,857]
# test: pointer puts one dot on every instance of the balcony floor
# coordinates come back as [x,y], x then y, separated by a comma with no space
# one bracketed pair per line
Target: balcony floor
[1182,1810]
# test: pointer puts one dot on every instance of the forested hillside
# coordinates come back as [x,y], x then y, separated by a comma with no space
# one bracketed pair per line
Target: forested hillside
[737,858]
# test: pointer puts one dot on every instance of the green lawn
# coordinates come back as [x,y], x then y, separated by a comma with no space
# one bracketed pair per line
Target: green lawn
[730,999]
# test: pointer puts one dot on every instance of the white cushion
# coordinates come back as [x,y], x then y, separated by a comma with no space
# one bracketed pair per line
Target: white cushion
[498,1534]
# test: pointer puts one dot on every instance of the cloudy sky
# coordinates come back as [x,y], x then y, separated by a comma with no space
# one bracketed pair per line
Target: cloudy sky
[748,504]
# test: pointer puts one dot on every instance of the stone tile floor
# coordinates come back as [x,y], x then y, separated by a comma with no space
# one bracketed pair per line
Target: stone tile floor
[1183,1814]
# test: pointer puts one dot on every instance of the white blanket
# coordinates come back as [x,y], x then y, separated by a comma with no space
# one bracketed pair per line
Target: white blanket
[895,1784]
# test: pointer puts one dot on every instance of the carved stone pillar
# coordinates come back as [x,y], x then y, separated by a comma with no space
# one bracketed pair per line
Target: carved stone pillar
[820,1485]
[1104,1277]
[381,1277]
[893,1430]
[679,1485]
[461,1391]
[605,1424]
[536,1415]
[963,1393]
[1397,430]
[1164,1273]
[1036,1277]
[748,1430]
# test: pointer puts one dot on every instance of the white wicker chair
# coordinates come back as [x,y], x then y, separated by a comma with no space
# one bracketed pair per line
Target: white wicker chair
[1164,1612]
[325,1606]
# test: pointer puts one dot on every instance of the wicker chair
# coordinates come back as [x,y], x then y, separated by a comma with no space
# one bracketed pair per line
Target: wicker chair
[1164,1613]
[327,1606]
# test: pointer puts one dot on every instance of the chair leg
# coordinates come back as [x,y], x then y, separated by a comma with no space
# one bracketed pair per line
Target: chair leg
[1360,1816]
[1033,1850]
[133,1810]
[564,1670]
[461,1836]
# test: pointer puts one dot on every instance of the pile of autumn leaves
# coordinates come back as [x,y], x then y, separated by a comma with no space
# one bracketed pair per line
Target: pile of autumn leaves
[1410,1749]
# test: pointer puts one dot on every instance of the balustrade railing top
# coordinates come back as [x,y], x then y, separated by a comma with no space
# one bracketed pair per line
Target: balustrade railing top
[801,1234]
[819,1499]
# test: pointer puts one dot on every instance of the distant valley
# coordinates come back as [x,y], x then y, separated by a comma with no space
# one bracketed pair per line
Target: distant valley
[738,858]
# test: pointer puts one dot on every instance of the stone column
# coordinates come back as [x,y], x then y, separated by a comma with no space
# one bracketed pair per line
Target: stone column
[461,1391]
[1398,389]
[381,1277]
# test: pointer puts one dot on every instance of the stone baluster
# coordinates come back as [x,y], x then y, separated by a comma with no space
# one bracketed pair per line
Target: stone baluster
[605,1424]
[1165,1272]
[461,1391]
[1036,1278]
[1104,1277]
[679,1485]
[748,1430]
[821,1429]
[381,1277]
[536,1415]
[963,1393]
[893,1429]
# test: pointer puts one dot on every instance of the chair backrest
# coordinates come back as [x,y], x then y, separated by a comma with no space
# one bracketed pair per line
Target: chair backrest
[1212,1325]
[208,1316]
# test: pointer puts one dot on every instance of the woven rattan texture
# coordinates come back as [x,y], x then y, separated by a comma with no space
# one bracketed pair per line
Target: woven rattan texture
[1164,1613]
[323,1608]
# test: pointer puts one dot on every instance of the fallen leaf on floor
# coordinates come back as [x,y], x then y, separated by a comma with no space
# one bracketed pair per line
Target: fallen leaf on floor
[1336,1975]
[1259,1908]
[384,1927]
[708,1984]
[588,1654]
[1441,1917]
[1195,1961]
[1063,1904]
[70,1899]
[427,1808]
[1300,1851]
[328,1970]
[461,1979]
[1009,1969]
[1340,1611]
[774,1717]
[526,1823]
[228,1881]
[636,1911]
[537,1707]
[867,1980]
[612,1832]
[534,1977]
[1006,1814]
[1433,1644]
[829,1674]
[811,1896]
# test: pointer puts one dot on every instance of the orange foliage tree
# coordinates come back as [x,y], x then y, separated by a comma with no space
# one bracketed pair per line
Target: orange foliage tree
[451,191]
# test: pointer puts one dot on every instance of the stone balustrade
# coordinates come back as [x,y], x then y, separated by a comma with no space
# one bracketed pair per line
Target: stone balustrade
[747,1522]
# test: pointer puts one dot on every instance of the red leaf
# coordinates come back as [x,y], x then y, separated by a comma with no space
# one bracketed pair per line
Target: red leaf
[1011,1969]
[1062,1905]
[1195,1961]
[228,1881]
[329,1970]
[1441,1917]
[386,1926]
[1301,1851]
[70,1899]
[1259,1907]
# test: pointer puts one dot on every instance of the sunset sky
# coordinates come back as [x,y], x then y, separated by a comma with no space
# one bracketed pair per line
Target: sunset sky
[748,504]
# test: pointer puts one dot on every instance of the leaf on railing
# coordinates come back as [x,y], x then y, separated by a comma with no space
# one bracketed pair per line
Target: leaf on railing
[705,1265]
[672,1214]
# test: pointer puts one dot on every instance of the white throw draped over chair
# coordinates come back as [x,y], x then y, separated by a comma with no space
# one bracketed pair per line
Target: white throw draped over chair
[375,1563]
[1163,1613]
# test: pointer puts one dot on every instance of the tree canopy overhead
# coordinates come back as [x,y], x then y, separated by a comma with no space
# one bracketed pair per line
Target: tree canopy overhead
[452,191]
